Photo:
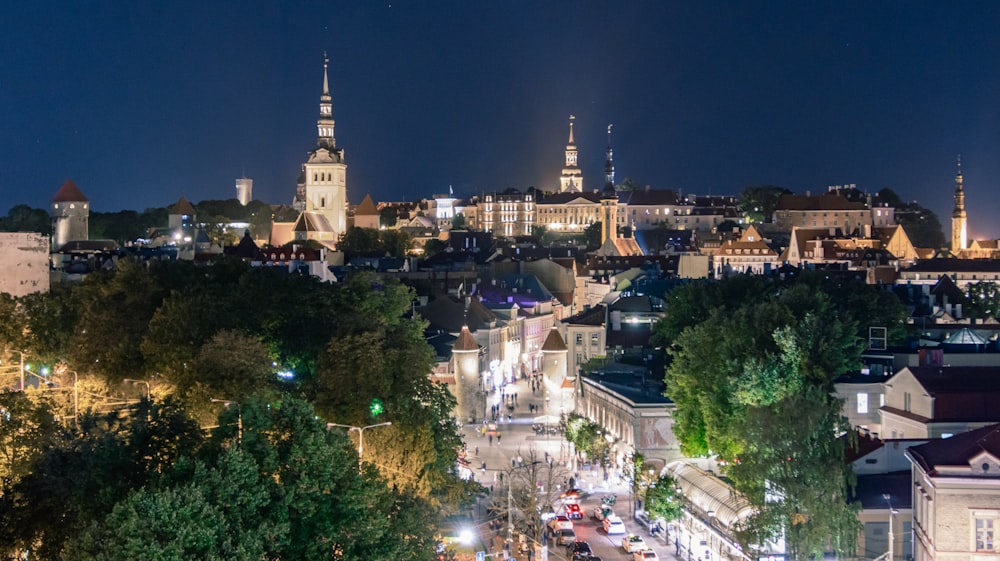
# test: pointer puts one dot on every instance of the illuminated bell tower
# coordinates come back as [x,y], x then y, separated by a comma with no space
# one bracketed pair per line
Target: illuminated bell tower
[959,221]
[609,198]
[572,178]
[325,172]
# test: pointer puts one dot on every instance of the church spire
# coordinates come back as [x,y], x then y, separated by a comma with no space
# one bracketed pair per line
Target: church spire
[572,177]
[609,169]
[959,220]
[324,125]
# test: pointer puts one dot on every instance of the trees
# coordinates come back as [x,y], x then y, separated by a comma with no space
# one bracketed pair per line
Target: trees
[290,491]
[983,299]
[752,373]
[23,218]
[759,202]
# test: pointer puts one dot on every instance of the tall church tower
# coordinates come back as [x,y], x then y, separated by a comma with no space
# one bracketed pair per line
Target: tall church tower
[572,178]
[70,215]
[324,178]
[959,222]
[609,198]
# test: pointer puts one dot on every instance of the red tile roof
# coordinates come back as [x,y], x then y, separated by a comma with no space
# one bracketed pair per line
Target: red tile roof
[69,193]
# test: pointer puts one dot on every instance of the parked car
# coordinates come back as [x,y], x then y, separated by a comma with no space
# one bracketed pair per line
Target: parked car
[613,525]
[602,511]
[565,537]
[645,555]
[632,543]
[573,512]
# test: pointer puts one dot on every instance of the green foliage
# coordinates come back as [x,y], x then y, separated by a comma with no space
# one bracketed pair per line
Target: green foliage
[26,426]
[370,241]
[921,225]
[76,479]
[587,436]
[753,366]
[387,217]
[23,218]
[759,202]
[126,225]
[792,469]
[726,226]
[983,299]
[458,222]
[216,332]
[291,490]
[663,500]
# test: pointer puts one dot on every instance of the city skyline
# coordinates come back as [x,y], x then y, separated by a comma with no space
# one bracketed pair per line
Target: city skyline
[140,105]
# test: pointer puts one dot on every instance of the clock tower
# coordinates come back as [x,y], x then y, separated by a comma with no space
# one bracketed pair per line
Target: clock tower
[571,179]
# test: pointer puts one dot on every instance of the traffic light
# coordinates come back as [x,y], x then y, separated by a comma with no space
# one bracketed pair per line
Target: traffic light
[376,408]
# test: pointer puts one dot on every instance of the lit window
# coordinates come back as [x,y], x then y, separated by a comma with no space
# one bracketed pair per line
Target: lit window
[862,403]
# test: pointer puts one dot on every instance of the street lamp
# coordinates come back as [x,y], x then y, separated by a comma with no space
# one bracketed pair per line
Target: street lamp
[888,501]
[361,435]
[239,417]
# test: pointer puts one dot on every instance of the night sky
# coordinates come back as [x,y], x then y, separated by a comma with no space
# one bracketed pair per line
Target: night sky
[142,102]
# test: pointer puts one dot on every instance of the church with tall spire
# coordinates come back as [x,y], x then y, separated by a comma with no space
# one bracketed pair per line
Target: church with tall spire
[571,180]
[321,193]
[959,220]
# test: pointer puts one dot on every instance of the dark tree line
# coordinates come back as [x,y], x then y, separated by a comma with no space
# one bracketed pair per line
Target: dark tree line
[226,331]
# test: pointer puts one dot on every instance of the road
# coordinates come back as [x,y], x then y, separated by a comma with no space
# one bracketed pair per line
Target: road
[518,439]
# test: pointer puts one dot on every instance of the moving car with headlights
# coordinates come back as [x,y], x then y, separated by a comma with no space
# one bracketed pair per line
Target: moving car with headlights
[573,512]
[632,543]
[613,525]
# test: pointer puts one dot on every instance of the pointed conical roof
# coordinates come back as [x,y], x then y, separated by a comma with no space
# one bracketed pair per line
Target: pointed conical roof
[366,208]
[554,342]
[69,193]
[465,341]
[182,207]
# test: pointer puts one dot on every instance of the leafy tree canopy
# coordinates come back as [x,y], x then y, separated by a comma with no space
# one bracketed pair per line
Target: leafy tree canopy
[758,202]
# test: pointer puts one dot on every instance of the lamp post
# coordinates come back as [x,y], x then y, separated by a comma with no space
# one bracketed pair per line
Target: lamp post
[239,416]
[361,435]
[888,501]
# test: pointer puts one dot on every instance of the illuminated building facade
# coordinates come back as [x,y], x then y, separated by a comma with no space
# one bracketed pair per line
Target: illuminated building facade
[507,214]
